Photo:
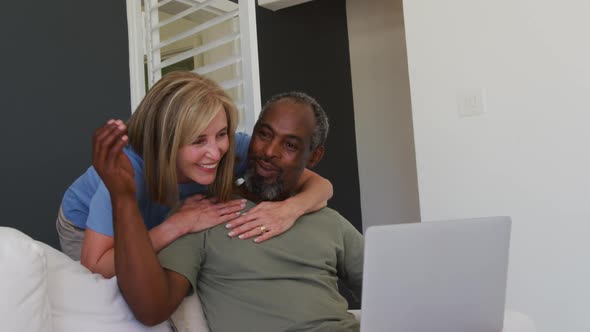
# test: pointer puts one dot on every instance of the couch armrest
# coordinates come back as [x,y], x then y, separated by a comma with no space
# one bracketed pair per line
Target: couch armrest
[24,301]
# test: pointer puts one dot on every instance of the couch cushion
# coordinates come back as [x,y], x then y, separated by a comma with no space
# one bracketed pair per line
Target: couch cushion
[83,301]
[189,316]
[24,304]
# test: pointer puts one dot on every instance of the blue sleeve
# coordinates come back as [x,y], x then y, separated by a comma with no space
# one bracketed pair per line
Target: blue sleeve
[242,144]
[100,212]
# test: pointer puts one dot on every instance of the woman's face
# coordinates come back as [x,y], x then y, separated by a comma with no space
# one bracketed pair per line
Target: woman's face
[199,160]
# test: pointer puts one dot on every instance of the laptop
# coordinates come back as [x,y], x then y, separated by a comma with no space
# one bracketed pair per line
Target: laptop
[441,276]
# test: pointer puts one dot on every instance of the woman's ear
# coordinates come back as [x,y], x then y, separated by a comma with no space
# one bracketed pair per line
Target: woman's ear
[316,156]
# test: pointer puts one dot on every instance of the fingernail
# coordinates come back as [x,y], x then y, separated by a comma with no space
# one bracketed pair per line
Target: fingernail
[241,236]
[110,121]
[121,127]
[230,234]
[256,240]
[227,225]
[243,201]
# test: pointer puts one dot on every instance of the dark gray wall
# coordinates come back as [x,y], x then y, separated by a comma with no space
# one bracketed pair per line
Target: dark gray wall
[65,71]
[305,48]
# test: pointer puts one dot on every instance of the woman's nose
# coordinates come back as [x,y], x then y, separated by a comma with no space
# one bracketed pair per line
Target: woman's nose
[214,151]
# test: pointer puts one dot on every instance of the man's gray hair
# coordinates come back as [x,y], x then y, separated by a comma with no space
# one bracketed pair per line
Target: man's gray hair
[320,132]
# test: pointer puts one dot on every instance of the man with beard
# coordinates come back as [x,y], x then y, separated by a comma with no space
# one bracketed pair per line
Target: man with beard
[287,283]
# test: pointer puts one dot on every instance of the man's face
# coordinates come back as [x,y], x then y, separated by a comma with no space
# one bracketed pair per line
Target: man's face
[279,150]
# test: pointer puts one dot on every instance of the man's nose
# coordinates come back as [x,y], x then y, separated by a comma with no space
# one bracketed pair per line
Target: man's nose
[272,149]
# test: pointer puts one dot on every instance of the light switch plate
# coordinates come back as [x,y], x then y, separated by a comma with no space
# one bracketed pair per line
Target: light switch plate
[471,102]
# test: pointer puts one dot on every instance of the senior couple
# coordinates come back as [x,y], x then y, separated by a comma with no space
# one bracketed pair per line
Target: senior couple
[284,283]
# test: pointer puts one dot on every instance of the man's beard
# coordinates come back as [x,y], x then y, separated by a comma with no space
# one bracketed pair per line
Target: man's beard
[256,185]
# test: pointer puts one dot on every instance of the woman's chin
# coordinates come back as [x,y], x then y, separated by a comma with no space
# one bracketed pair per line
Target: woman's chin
[205,179]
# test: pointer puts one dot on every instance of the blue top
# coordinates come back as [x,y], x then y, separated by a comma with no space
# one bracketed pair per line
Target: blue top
[87,202]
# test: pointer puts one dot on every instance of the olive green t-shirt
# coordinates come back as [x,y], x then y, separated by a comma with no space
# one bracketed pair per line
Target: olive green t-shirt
[287,283]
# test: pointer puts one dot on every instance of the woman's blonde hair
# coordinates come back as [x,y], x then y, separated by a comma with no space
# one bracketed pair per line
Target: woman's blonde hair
[174,113]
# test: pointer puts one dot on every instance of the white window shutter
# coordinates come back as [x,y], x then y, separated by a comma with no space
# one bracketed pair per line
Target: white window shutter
[214,38]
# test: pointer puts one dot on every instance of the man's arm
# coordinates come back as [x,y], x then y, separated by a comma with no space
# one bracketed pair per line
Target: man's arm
[151,293]
[350,260]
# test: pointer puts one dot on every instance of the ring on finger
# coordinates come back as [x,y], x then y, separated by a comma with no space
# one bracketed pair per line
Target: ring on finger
[263,229]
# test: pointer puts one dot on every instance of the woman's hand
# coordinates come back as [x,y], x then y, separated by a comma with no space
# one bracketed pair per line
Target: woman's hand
[198,213]
[265,220]
[109,161]
[269,219]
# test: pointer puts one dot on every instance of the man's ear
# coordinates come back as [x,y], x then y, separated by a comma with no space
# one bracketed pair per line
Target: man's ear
[316,156]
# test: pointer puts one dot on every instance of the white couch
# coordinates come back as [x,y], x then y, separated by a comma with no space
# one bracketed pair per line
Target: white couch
[41,289]
[44,290]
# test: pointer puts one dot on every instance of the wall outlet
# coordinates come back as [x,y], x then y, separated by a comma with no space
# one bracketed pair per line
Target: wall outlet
[471,102]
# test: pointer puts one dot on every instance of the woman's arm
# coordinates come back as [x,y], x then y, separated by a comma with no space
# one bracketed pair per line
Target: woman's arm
[98,254]
[277,217]
[196,214]
[314,193]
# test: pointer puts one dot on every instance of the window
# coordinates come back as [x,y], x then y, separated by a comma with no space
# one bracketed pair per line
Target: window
[214,38]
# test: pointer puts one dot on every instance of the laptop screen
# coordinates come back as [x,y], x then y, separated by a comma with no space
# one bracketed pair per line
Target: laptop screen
[436,276]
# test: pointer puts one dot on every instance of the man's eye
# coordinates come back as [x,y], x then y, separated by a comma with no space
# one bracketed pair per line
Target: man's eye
[263,134]
[291,146]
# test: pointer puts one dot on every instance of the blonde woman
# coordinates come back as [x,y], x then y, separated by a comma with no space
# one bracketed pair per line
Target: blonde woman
[180,145]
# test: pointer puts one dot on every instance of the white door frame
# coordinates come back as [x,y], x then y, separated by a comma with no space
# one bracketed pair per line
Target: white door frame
[136,52]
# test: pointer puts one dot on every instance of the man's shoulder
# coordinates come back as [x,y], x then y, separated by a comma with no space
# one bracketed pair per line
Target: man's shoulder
[181,248]
[327,211]
[326,214]
[331,219]
[192,239]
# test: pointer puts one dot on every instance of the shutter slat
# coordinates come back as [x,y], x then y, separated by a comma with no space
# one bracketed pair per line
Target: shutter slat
[197,51]
[217,65]
[197,29]
[184,13]
[161,3]
[230,84]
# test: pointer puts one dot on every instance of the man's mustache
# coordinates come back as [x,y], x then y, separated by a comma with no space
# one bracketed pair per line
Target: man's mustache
[265,159]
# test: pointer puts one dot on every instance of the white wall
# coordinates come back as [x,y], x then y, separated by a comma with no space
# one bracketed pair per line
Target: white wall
[383,116]
[528,156]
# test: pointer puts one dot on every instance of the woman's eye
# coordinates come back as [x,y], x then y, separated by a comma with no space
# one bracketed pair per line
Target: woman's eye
[222,135]
[200,141]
